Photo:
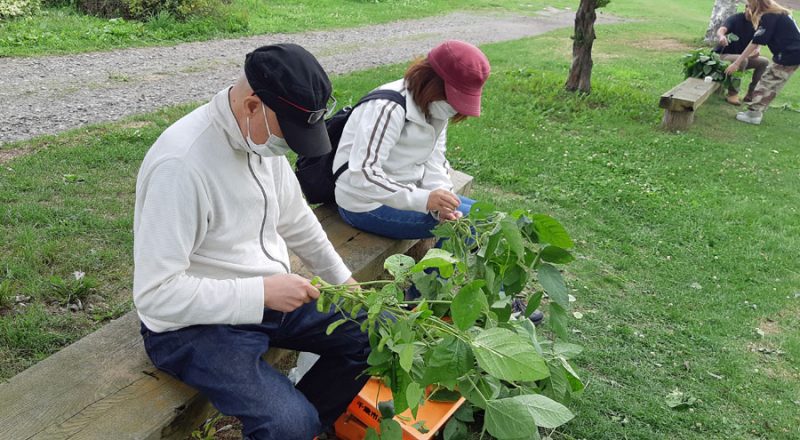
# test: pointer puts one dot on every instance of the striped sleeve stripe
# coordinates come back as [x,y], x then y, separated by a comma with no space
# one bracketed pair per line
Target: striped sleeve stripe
[380,179]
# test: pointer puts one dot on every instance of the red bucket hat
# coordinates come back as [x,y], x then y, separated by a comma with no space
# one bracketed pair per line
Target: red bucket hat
[464,69]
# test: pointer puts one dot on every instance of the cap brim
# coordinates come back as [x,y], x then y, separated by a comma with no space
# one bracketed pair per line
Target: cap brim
[464,103]
[304,139]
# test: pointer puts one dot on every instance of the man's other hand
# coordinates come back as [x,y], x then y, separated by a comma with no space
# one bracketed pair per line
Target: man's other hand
[287,292]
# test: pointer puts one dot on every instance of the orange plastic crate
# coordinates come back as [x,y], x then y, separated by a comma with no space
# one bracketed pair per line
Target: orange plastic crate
[362,413]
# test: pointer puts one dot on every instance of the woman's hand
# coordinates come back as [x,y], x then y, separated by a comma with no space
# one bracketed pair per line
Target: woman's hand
[443,201]
[449,216]
[723,40]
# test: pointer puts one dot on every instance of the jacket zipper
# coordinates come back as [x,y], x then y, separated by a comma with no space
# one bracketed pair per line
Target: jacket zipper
[264,218]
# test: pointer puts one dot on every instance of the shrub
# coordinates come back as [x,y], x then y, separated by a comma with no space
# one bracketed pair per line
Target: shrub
[104,8]
[18,8]
[146,9]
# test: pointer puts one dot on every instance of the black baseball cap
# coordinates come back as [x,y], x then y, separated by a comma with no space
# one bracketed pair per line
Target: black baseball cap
[291,82]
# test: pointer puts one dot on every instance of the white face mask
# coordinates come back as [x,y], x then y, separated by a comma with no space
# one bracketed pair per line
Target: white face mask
[275,146]
[441,110]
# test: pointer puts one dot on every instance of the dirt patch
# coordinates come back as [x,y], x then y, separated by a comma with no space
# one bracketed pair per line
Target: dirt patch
[662,44]
[7,155]
[136,124]
[769,327]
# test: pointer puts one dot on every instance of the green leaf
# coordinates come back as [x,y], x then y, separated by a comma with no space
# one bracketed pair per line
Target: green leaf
[479,389]
[515,279]
[400,383]
[406,353]
[438,259]
[558,382]
[456,430]
[558,320]
[398,265]
[575,382]
[555,254]
[566,350]
[550,278]
[413,396]
[533,303]
[481,210]
[447,361]
[468,305]
[733,37]
[679,400]
[519,416]
[371,435]
[444,395]
[334,325]
[508,356]
[391,430]
[550,231]
[513,236]
[465,413]
[393,292]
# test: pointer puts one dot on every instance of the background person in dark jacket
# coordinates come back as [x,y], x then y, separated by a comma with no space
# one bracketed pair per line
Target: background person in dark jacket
[776,28]
[740,25]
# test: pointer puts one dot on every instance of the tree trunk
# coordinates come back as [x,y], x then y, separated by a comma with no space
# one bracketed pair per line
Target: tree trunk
[580,74]
[722,10]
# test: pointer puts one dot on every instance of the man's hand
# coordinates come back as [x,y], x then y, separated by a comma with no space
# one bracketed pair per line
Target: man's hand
[723,40]
[732,68]
[443,201]
[287,292]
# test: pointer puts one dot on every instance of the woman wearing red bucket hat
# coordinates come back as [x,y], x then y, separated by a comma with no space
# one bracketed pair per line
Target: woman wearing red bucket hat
[396,181]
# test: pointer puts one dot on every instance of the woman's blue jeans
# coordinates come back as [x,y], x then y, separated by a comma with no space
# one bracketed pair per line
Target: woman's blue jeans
[396,223]
[224,363]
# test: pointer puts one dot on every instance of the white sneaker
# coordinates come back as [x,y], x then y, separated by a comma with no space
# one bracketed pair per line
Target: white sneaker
[750,116]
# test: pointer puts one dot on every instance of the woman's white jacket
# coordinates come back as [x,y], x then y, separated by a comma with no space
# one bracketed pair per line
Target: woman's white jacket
[395,158]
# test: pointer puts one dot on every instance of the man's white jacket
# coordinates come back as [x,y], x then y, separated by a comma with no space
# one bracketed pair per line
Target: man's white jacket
[395,158]
[212,219]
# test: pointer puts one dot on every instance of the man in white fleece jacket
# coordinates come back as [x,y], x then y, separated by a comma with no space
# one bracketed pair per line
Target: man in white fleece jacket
[217,211]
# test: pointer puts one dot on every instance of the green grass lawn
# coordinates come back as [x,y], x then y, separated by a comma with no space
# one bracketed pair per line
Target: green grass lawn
[686,278]
[65,31]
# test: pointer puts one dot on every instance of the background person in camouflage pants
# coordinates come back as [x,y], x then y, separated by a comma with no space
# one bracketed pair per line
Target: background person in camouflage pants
[775,28]
[771,83]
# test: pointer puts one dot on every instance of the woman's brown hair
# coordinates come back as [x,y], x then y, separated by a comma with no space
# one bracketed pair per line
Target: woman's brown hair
[760,7]
[426,86]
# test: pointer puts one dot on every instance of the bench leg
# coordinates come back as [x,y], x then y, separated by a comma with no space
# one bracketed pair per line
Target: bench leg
[677,121]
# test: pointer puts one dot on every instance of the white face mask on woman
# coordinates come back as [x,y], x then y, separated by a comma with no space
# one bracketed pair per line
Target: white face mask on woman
[441,110]
[275,146]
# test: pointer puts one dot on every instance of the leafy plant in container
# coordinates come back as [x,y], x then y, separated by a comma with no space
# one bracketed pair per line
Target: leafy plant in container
[460,336]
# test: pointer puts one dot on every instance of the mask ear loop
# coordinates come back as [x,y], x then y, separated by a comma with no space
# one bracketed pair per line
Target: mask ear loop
[266,123]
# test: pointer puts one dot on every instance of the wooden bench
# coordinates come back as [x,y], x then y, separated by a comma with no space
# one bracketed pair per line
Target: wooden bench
[682,101]
[104,386]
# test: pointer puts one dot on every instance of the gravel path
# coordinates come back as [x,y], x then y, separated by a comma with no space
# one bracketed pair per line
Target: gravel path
[47,95]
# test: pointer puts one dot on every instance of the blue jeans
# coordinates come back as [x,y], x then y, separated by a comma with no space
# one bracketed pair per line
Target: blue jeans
[224,363]
[396,223]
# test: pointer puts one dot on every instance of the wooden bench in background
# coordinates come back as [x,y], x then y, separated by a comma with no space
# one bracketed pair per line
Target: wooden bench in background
[104,386]
[682,101]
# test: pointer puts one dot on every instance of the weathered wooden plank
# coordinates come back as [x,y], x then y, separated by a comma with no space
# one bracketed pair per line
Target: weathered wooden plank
[688,95]
[677,121]
[104,386]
